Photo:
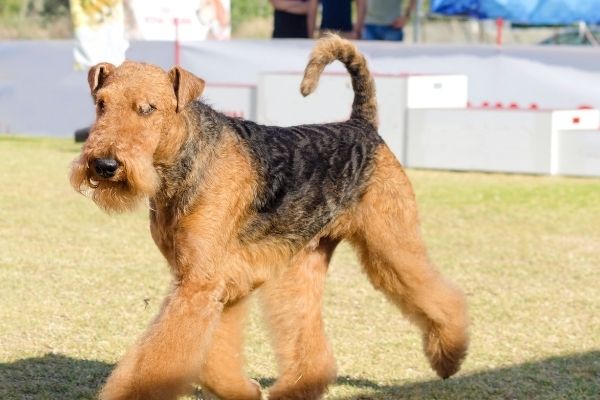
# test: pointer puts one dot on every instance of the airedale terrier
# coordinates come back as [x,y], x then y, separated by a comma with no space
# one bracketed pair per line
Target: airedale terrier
[236,206]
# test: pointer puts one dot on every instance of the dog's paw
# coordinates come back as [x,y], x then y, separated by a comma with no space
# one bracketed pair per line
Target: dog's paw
[445,350]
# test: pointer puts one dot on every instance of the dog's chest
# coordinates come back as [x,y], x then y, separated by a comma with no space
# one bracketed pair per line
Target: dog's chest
[162,230]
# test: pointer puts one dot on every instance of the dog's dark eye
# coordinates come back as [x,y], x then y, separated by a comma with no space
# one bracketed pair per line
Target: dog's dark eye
[100,105]
[146,109]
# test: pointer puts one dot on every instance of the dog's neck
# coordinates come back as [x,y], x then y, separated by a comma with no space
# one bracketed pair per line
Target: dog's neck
[199,132]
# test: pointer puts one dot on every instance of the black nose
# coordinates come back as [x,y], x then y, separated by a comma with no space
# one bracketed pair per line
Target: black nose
[106,167]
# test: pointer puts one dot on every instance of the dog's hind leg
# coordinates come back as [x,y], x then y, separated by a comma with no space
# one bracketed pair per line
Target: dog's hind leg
[394,257]
[292,304]
[223,373]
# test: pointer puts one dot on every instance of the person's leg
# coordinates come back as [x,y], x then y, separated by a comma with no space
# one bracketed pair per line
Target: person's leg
[347,35]
[344,34]
[370,32]
[392,34]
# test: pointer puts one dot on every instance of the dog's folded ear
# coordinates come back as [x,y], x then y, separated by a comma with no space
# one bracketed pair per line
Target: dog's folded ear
[186,85]
[97,75]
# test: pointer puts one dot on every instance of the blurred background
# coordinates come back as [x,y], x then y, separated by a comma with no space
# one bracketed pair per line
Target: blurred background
[51,19]
[492,105]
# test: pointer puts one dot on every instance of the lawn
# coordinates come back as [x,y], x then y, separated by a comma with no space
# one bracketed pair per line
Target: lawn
[78,286]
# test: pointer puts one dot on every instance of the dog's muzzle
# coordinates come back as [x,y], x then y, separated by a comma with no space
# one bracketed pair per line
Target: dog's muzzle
[105,167]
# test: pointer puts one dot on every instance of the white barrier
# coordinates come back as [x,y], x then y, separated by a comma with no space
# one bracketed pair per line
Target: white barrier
[437,91]
[570,120]
[579,153]
[518,141]
[479,140]
[233,100]
[59,99]
[280,101]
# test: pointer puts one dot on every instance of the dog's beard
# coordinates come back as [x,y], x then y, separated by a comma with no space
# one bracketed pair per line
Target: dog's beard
[133,185]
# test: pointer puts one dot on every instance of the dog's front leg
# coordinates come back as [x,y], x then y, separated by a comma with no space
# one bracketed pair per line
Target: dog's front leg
[168,357]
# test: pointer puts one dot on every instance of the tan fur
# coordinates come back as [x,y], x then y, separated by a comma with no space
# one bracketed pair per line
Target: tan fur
[197,336]
[293,303]
[389,243]
[222,371]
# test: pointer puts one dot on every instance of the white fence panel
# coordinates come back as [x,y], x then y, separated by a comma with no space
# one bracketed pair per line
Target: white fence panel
[233,100]
[579,153]
[281,103]
[517,141]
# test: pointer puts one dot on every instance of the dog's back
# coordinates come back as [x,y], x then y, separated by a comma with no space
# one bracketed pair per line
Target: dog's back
[311,173]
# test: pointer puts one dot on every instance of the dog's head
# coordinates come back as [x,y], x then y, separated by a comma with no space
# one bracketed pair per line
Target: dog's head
[138,124]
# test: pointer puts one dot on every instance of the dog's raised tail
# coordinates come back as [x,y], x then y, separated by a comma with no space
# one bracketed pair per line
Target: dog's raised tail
[331,48]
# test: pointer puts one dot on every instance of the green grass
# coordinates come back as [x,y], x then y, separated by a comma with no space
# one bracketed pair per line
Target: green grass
[78,286]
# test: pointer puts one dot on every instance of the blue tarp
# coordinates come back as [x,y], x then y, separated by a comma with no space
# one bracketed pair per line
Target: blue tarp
[526,12]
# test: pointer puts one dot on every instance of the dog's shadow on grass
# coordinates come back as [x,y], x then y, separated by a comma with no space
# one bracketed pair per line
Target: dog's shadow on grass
[52,376]
[570,377]
[574,376]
